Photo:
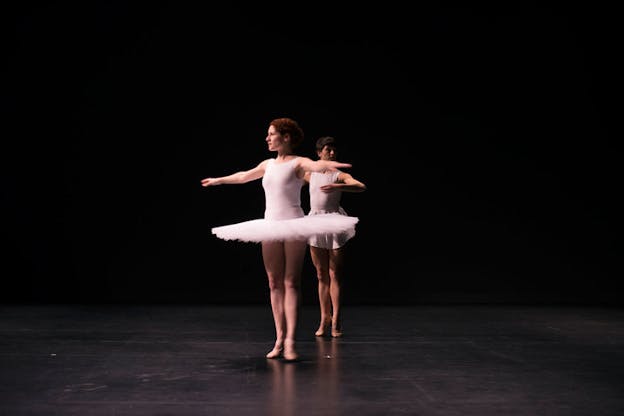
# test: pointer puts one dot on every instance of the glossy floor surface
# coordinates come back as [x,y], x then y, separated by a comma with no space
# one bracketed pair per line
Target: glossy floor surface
[208,360]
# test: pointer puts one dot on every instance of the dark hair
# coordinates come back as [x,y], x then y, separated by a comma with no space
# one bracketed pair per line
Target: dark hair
[325,141]
[289,126]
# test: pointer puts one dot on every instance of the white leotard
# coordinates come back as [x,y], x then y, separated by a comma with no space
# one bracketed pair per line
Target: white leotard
[282,191]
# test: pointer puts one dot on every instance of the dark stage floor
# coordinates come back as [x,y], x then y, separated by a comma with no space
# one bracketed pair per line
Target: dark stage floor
[206,360]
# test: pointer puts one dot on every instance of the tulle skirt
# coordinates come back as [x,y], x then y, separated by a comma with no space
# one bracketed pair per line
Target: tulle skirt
[295,229]
[333,240]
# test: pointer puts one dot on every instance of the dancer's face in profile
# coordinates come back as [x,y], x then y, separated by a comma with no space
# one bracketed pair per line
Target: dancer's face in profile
[328,153]
[274,139]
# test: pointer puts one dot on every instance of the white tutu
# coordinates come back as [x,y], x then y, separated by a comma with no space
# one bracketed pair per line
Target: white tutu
[333,240]
[301,228]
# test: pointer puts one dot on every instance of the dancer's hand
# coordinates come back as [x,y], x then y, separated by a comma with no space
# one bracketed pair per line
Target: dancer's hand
[333,166]
[209,182]
[330,187]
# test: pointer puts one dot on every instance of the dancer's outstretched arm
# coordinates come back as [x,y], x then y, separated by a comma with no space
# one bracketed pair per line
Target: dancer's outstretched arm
[238,177]
[309,165]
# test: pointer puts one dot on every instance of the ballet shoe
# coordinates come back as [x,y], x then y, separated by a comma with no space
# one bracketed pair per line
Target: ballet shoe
[276,352]
[323,329]
[289,352]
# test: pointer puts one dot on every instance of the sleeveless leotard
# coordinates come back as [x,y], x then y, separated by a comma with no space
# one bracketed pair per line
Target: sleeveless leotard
[282,191]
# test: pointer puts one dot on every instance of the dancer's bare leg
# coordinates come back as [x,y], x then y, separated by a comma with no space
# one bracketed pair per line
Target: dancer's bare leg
[274,261]
[320,259]
[336,262]
[294,256]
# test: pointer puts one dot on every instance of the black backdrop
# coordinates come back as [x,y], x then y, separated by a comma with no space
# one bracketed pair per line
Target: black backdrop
[485,136]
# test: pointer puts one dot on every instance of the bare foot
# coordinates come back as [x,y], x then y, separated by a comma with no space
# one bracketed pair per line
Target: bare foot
[289,350]
[323,328]
[277,350]
[336,330]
